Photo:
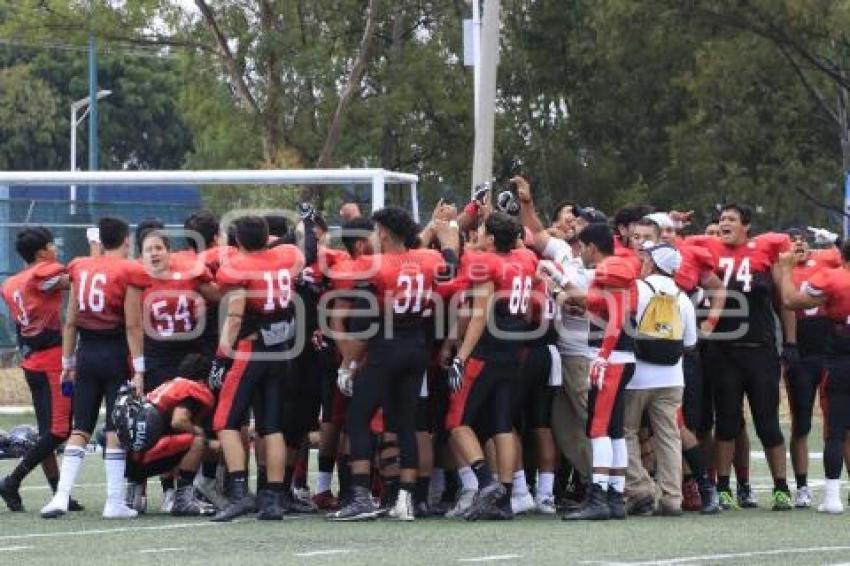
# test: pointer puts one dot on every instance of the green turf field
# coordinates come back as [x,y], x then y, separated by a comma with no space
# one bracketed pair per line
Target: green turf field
[737,537]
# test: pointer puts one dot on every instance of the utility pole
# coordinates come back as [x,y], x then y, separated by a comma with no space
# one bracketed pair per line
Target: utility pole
[486,71]
[93,142]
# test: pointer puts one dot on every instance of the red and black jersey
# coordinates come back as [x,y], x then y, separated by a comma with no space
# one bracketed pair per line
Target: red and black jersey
[696,262]
[834,285]
[611,302]
[173,307]
[402,283]
[746,272]
[267,275]
[100,286]
[183,392]
[813,324]
[512,275]
[319,272]
[34,301]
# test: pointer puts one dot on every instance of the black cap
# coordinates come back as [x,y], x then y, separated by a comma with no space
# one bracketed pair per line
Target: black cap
[592,216]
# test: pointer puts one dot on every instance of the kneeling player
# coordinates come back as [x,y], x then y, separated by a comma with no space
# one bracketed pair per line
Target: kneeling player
[172,412]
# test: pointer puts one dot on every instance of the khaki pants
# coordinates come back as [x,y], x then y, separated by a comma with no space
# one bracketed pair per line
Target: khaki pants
[569,413]
[662,406]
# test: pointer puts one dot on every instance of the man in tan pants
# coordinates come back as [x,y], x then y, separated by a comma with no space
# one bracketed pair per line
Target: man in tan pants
[569,413]
[656,389]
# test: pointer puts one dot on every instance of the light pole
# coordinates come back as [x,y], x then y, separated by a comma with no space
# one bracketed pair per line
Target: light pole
[75,122]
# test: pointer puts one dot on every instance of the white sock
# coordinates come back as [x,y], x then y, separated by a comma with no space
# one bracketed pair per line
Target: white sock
[467,478]
[520,485]
[115,460]
[620,454]
[603,452]
[545,483]
[601,480]
[832,491]
[72,459]
[618,483]
[323,481]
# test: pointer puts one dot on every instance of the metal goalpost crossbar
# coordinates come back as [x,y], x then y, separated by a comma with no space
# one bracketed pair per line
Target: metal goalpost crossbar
[377,178]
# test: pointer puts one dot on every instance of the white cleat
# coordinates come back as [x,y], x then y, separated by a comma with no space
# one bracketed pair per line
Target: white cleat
[546,505]
[522,503]
[803,498]
[833,507]
[118,511]
[167,501]
[54,509]
[463,503]
[403,508]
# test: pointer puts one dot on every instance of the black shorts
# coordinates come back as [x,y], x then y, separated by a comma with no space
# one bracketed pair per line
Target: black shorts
[802,380]
[102,368]
[692,396]
[162,360]
[835,399]
[534,395]
[485,401]
[253,382]
[754,372]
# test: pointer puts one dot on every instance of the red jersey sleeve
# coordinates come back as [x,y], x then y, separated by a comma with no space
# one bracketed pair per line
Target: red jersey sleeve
[47,274]
[775,243]
[819,284]
[136,275]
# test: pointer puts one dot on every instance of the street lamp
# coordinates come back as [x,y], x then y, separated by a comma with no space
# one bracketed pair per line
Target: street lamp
[75,107]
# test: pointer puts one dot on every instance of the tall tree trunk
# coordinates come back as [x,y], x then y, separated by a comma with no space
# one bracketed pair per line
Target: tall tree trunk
[272,123]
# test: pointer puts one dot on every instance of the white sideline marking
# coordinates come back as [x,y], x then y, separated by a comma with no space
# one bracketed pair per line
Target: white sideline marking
[717,557]
[15,548]
[322,552]
[157,550]
[110,531]
[490,558]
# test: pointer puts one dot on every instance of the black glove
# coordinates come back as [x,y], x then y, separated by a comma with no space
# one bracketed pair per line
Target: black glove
[455,375]
[220,366]
[480,192]
[790,354]
[507,203]
[305,210]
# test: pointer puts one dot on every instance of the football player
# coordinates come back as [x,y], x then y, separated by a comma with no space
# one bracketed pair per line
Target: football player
[34,298]
[103,329]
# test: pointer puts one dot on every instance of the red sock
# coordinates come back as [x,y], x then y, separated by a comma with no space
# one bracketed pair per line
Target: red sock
[299,476]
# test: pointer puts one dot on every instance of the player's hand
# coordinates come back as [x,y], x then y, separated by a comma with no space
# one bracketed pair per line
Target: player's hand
[220,366]
[455,375]
[138,382]
[787,260]
[823,236]
[790,354]
[597,372]
[706,327]
[345,379]
[523,189]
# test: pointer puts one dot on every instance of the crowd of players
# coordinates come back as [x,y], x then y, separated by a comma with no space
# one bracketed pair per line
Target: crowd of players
[482,366]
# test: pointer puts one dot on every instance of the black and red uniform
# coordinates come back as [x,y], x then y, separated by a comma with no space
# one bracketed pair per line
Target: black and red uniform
[267,338]
[742,353]
[174,318]
[391,376]
[166,454]
[803,375]
[103,365]
[486,400]
[611,302]
[34,299]
[834,285]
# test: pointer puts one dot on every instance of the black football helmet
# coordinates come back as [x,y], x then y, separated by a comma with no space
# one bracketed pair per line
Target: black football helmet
[138,423]
[21,439]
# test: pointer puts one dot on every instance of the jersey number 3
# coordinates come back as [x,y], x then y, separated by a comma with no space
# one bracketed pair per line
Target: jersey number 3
[743,276]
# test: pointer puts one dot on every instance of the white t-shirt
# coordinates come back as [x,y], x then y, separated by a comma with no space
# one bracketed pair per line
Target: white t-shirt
[652,376]
[572,330]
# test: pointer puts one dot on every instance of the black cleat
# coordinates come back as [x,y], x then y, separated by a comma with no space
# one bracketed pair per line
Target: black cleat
[710,500]
[422,510]
[746,498]
[485,501]
[271,507]
[359,507]
[296,506]
[642,506]
[74,505]
[10,495]
[186,505]
[616,504]
[240,502]
[596,508]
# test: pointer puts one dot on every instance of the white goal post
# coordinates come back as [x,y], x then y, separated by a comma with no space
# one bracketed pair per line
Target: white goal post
[377,178]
